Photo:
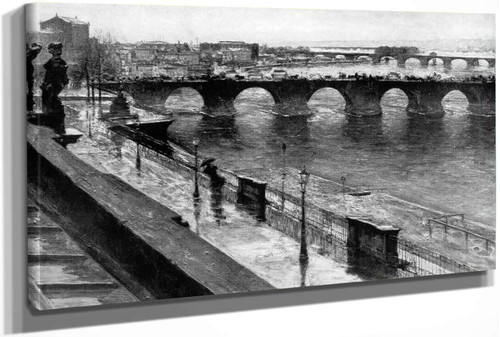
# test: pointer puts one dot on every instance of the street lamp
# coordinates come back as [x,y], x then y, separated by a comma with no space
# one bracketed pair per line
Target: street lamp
[304,179]
[93,88]
[196,192]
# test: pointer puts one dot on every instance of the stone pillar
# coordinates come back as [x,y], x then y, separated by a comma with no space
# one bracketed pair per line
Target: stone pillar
[362,99]
[143,93]
[252,193]
[472,63]
[401,62]
[376,241]
[447,63]
[291,97]
[425,101]
[218,106]
[292,105]
[218,97]
[481,98]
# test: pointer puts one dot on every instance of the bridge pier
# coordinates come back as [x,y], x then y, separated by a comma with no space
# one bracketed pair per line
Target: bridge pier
[425,102]
[219,106]
[362,99]
[481,101]
[447,63]
[291,98]
[218,100]
[472,63]
[424,62]
[292,106]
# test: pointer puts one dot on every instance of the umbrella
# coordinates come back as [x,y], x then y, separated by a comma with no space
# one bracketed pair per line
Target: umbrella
[207,161]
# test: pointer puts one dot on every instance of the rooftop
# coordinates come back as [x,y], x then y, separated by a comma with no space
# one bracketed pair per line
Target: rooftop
[73,21]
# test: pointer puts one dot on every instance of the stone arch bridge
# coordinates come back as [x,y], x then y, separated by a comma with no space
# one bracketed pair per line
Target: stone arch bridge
[425,60]
[291,96]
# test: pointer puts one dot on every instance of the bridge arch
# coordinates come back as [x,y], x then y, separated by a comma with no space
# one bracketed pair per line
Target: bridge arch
[455,101]
[364,58]
[394,100]
[412,62]
[459,63]
[255,98]
[436,62]
[327,99]
[388,60]
[184,99]
[483,63]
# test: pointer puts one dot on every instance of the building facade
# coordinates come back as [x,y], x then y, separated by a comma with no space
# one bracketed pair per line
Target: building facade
[74,33]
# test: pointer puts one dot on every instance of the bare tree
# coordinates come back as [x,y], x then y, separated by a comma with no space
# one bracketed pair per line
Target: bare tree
[101,59]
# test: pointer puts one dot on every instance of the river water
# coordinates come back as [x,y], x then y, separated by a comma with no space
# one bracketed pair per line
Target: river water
[447,164]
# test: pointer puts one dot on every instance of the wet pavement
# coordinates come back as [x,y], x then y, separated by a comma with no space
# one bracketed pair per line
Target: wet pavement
[269,253]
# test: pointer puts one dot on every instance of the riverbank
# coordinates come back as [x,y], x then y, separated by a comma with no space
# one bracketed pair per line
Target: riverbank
[384,209]
[378,207]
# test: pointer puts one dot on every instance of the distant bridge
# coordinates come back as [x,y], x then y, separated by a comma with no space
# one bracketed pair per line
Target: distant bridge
[291,96]
[425,60]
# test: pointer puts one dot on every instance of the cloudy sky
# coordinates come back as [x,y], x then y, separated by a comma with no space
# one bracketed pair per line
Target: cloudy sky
[273,26]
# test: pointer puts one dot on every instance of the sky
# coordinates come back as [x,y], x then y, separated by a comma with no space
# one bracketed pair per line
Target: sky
[273,26]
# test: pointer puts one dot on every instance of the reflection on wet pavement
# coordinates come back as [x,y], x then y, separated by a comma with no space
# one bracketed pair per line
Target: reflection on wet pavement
[236,231]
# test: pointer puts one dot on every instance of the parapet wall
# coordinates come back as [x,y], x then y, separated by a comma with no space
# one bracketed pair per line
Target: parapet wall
[139,240]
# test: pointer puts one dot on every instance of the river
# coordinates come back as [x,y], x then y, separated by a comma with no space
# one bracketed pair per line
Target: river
[447,164]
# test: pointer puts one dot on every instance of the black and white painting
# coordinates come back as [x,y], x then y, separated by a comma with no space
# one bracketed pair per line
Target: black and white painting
[190,151]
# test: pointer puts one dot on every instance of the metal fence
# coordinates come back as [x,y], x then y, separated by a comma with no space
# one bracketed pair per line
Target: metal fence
[326,230]
[422,261]
[450,231]
[413,259]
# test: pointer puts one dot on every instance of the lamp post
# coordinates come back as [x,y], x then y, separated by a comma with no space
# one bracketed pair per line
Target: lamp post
[196,192]
[93,88]
[304,179]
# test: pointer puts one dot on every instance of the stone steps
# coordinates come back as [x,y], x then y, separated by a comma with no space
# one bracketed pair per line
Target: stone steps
[61,274]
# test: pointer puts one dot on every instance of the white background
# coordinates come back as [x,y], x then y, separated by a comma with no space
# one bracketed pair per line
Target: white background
[461,305]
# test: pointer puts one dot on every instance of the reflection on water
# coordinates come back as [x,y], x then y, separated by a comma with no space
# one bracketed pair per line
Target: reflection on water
[303,272]
[223,128]
[445,163]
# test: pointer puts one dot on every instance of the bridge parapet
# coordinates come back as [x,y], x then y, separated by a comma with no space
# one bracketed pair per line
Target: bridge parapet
[472,61]
[291,97]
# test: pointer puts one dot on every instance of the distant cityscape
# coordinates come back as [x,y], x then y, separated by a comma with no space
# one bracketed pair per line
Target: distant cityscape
[102,55]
